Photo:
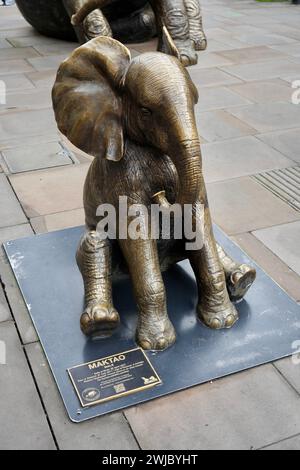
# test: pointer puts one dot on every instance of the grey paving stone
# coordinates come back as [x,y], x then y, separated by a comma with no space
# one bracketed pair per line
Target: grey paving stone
[288,444]
[242,205]
[244,411]
[4,44]
[270,263]
[56,48]
[58,221]
[12,233]
[283,240]
[47,63]
[16,302]
[290,49]
[24,424]
[211,59]
[106,433]
[263,70]
[267,117]
[24,140]
[17,53]
[290,368]
[10,210]
[212,77]
[36,157]
[37,39]
[15,66]
[219,98]
[286,142]
[264,91]
[16,82]
[264,39]
[43,79]
[239,157]
[251,54]
[21,100]
[15,125]
[220,125]
[4,309]
[69,180]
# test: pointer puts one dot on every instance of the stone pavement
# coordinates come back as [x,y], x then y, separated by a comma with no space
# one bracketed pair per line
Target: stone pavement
[249,127]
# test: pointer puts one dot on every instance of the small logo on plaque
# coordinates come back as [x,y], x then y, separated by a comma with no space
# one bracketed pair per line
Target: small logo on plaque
[113,377]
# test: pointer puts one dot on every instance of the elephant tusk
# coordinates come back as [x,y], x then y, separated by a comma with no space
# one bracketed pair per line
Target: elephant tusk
[161,200]
[86,9]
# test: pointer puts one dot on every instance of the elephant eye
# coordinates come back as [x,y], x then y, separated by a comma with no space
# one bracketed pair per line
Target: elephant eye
[146,111]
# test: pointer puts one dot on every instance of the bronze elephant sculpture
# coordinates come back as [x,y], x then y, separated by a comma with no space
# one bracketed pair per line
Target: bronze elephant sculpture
[178,23]
[136,117]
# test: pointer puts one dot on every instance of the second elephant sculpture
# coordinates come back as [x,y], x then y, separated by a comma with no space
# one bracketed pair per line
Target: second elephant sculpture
[178,23]
[136,117]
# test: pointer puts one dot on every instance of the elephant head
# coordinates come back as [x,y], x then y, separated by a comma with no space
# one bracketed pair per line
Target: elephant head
[101,97]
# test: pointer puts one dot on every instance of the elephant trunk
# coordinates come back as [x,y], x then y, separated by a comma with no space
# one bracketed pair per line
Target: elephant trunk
[187,160]
[87,8]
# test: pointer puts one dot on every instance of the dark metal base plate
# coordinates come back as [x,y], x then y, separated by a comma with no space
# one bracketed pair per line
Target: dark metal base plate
[51,284]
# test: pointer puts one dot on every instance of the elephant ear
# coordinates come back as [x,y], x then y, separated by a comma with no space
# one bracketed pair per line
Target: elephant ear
[86,97]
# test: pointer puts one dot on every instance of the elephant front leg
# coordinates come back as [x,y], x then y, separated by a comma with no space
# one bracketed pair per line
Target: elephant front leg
[197,34]
[214,307]
[154,330]
[239,277]
[93,257]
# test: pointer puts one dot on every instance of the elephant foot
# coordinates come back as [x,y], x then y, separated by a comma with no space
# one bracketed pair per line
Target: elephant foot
[99,320]
[218,317]
[95,24]
[240,281]
[155,335]
[200,42]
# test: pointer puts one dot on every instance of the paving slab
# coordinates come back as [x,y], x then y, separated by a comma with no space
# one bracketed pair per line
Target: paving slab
[21,411]
[51,135]
[14,53]
[251,54]
[244,411]
[36,157]
[270,263]
[212,77]
[242,205]
[264,91]
[42,79]
[289,49]
[58,221]
[220,125]
[4,309]
[56,48]
[59,189]
[16,82]
[262,70]
[286,142]
[10,211]
[110,432]
[26,100]
[12,233]
[283,240]
[15,66]
[288,444]
[264,39]
[37,39]
[290,368]
[15,125]
[239,157]
[267,117]
[16,302]
[51,62]
[220,97]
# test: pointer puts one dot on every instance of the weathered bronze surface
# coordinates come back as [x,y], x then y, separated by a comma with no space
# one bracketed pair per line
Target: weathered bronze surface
[136,117]
[178,23]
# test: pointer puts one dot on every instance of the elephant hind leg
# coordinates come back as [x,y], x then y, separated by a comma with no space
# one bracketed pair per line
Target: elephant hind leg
[197,34]
[239,277]
[137,27]
[93,257]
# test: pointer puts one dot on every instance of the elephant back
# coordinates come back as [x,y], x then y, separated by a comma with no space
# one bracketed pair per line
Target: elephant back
[48,17]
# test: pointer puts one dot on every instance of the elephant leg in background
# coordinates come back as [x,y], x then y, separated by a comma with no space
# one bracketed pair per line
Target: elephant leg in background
[139,26]
[154,330]
[214,308]
[239,277]
[172,16]
[93,257]
[197,34]
[95,24]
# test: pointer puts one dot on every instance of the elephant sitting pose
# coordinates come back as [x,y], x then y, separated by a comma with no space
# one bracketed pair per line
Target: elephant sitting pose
[178,23]
[136,117]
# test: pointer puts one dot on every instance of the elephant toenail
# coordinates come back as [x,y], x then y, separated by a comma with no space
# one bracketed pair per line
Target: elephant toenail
[215,324]
[145,344]
[236,276]
[229,320]
[114,316]
[99,315]
[85,319]
[161,343]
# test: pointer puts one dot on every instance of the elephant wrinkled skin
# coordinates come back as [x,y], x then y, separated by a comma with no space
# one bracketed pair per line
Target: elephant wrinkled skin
[136,117]
[178,23]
